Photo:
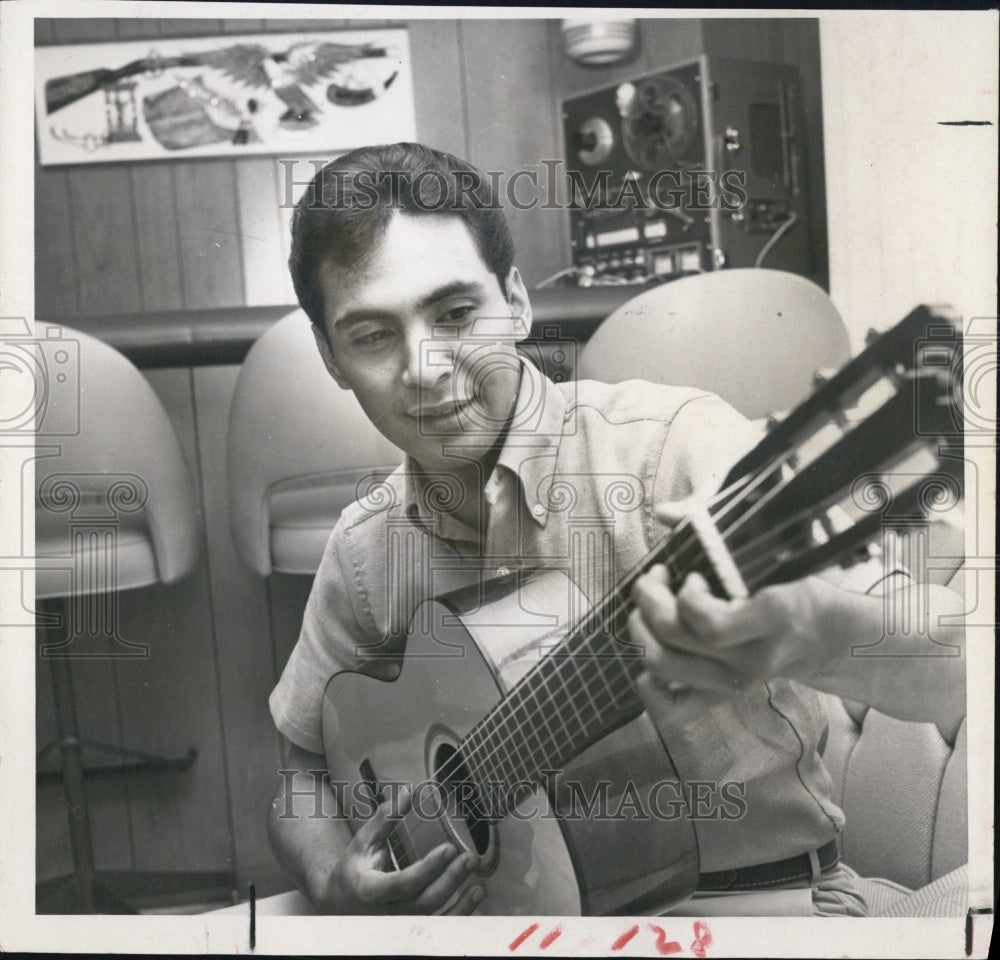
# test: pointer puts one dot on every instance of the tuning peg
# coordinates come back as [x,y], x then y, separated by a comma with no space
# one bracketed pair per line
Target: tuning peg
[821,376]
[774,420]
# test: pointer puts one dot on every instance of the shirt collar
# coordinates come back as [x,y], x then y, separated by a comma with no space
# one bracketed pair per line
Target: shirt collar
[529,453]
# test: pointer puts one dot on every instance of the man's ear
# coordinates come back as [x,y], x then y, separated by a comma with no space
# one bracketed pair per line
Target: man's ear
[326,352]
[517,297]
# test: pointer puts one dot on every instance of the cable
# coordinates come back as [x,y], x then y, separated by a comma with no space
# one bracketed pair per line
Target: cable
[775,237]
[555,276]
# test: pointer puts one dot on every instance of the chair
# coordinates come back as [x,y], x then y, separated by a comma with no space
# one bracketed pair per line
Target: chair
[115,510]
[299,446]
[756,337]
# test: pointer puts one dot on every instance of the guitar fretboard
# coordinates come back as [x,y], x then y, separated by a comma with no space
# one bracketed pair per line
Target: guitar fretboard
[579,692]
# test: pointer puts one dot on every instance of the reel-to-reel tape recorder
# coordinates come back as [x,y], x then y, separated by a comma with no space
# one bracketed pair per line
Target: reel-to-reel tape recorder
[688,169]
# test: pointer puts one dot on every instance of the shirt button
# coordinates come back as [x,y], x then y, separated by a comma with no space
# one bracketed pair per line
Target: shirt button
[538,509]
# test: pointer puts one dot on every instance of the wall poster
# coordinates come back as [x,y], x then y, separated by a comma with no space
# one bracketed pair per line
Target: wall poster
[272,93]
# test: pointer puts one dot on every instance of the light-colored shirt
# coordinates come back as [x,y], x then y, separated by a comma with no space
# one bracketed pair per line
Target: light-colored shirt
[574,488]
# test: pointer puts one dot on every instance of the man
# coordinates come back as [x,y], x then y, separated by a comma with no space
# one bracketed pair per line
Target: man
[404,264]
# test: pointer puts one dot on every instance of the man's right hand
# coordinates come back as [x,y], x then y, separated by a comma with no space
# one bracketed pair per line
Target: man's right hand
[362,880]
[349,873]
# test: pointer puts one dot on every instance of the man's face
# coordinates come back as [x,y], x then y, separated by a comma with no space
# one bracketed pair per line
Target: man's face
[423,335]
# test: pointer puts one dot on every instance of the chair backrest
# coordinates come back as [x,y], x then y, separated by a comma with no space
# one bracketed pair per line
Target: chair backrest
[115,504]
[299,446]
[754,337]
[903,789]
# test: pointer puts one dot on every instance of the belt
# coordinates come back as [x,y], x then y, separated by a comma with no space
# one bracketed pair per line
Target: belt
[802,867]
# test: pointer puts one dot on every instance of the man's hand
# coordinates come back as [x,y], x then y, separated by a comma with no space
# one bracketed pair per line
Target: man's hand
[347,873]
[362,881]
[902,653]
[701,650]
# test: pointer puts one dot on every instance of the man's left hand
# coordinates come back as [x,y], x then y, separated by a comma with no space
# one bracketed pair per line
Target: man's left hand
[702,650]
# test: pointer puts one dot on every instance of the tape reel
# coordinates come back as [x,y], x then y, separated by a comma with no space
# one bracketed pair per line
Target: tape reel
[660,122]
[594,141]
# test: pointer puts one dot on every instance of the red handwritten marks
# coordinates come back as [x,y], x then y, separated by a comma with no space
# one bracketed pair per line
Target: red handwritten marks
[625,937]
[702,938]
[550,937]
[663,945]
[522,936]
[547,940]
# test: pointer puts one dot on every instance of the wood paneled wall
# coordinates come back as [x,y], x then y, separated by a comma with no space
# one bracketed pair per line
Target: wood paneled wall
[128,239]
[194,234]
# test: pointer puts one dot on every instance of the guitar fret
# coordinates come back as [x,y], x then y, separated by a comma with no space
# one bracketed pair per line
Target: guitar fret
[582,675]
[514,741]
[537,752]
[602,673]
[567,693]
[517,740]
[541,710]
[574,675]
[554,700]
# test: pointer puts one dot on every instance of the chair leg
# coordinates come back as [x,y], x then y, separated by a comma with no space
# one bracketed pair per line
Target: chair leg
[86,890]
[72,764]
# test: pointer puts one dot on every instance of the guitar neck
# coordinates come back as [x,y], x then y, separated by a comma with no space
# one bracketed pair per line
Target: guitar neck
[577,693]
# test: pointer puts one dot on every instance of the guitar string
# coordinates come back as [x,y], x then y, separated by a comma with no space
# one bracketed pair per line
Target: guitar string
[752,568]
[803,514]
[762,542]
[516,700]
[522,716]
[522,707]
[806,513]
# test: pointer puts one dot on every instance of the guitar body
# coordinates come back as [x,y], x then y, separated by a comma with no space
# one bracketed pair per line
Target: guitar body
[562,851]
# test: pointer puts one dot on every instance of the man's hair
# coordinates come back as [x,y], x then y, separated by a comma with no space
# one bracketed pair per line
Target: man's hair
[344,211]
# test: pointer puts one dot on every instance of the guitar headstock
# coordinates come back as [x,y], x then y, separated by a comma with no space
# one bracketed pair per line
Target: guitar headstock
[880,438]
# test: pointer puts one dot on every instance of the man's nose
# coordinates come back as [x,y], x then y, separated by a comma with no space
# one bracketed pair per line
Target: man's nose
[429,360]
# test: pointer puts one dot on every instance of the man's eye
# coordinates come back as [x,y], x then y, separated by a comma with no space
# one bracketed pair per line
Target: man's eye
[456,316]
[372,339]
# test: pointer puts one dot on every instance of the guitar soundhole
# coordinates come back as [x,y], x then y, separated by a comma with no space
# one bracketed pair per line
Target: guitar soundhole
[451,773]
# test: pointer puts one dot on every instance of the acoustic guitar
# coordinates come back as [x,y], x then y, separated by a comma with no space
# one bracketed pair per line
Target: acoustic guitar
[512,769]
